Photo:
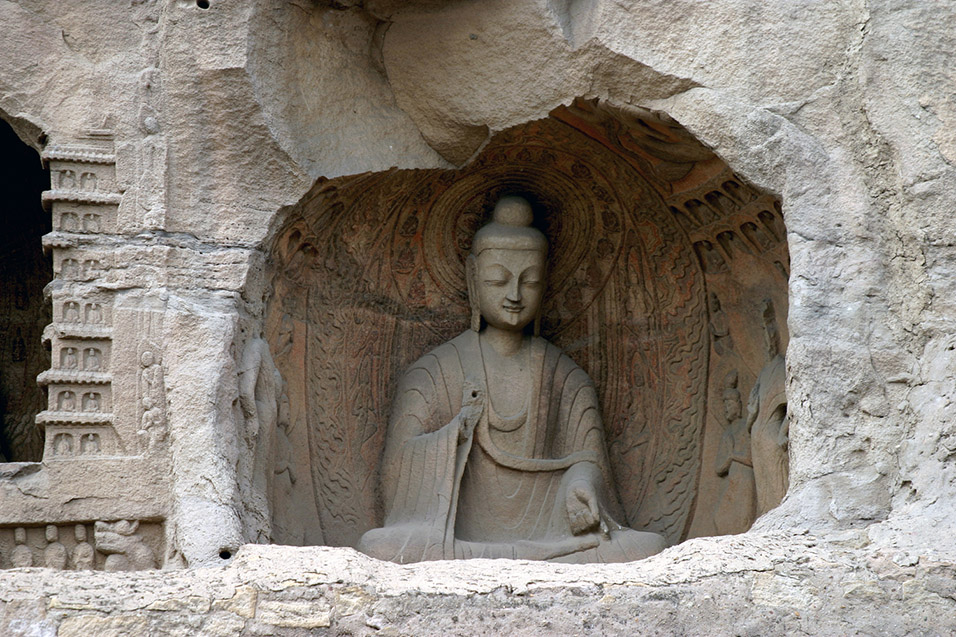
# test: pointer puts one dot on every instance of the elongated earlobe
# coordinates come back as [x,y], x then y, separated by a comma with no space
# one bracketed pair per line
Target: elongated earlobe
[470,273]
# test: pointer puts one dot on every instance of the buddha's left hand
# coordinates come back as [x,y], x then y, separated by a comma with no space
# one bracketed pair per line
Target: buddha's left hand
[583,512]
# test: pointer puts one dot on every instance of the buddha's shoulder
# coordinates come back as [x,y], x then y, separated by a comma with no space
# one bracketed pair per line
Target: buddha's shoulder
[449,353]
[561,358]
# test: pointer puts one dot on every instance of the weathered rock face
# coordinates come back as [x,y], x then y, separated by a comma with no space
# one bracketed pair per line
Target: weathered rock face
[184,141]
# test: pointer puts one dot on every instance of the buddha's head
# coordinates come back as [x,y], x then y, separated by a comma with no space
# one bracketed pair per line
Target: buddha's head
[506,269]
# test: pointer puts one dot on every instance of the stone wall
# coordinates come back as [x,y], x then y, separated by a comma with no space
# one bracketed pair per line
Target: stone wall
[759,584]
[214,119]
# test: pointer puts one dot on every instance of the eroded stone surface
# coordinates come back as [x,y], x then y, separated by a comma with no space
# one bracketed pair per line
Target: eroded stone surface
[775,583]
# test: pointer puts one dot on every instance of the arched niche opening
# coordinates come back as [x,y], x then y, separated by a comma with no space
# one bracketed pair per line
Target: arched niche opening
[24,271]
[667,285]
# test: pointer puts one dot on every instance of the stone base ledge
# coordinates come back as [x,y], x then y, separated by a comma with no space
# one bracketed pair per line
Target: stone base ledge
[756,584]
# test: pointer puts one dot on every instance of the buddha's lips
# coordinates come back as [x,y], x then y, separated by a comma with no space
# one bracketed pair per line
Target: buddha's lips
[513,308]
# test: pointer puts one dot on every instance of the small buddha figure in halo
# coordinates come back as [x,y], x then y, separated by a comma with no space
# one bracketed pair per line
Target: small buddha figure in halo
[495,446]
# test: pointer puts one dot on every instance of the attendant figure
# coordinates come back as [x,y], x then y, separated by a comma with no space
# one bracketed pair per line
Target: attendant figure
[54,555]
[768,424]
[22,555]
[83,552]
[736,496]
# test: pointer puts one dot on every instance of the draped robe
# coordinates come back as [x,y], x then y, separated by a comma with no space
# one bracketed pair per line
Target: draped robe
[501,491]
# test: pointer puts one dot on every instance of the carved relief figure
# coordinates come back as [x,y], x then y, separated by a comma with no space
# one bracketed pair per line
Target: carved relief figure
[67,180]
[757,236]
[70,269]
[63,445]
[152,376]
[68,358]
[69,222]
[54,555]
[91,360]
[124,550]
[71,312]
[88,181]
[22,555]
[736,499]
[91,223]
[152,424]
[283,474]
[719,327]
[66,401]
[152,431]
[94,313]
[92,268]
[83,552]
[768,424]
[495,446]
[91,401]
[710,259]
[259,387]
[89,443]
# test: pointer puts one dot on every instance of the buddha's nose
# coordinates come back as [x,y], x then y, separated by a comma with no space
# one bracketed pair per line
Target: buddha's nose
[514,292]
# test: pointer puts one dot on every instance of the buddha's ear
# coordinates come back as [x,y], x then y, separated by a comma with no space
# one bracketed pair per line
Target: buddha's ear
[471,273]
[537,316]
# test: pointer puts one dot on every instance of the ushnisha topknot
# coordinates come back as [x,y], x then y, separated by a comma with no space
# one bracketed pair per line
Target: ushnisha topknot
[510,228]
[513,211]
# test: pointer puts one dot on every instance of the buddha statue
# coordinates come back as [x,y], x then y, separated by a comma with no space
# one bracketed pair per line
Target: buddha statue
[495,447]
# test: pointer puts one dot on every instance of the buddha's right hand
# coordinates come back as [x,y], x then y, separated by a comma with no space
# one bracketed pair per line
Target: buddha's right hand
[472,407]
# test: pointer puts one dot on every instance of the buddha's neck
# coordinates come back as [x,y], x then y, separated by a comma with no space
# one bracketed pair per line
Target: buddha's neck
[504,342]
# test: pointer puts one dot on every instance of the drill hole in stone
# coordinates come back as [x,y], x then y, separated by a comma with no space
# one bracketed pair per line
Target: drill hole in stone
[225,554]
[202,4]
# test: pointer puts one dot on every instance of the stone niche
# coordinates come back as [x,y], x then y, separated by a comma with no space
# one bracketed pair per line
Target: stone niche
[667,285]
[24,271]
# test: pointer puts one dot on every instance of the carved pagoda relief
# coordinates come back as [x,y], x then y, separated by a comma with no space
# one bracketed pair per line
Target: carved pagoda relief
[655,285]
[104,402]
[83,201]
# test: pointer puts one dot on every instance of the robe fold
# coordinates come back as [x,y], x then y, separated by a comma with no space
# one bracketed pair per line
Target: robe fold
[502,489]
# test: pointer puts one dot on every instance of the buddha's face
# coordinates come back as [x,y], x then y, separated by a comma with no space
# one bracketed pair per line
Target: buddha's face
[510,286]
